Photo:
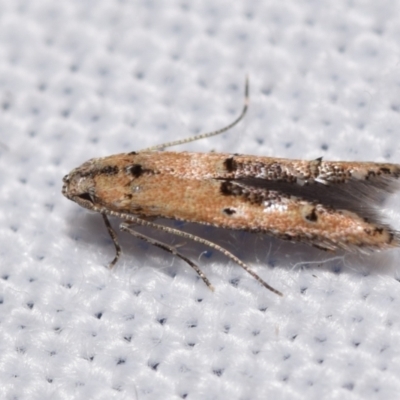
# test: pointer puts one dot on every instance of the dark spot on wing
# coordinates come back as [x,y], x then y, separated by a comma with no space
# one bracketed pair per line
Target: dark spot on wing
[230,164]
[228,188]
[93,172]
[385,170]
[137,170]
[108,170]
[249,194]
[374,231]
[312,216]
[371,174]
[229,211]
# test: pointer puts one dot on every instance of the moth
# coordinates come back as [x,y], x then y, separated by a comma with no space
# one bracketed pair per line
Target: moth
[330,205]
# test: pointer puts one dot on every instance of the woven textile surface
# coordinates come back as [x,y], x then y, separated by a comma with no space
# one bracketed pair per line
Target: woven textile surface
[84,79]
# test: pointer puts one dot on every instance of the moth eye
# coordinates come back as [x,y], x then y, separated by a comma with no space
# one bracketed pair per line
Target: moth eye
[66,179]
[85,196]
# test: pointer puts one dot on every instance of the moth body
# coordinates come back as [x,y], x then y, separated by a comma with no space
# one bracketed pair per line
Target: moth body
[297,200]
[329,205]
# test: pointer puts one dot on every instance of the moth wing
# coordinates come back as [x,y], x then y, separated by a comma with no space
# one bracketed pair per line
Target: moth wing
[360,196]
[349,213]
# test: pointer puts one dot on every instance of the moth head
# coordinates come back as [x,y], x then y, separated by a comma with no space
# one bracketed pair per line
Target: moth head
[79,187]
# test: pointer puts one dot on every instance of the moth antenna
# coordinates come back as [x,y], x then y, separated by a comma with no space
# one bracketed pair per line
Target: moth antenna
[209,134]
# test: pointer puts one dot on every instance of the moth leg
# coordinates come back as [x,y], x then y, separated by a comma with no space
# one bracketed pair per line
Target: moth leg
[186,235]
[170,249]
[114,238]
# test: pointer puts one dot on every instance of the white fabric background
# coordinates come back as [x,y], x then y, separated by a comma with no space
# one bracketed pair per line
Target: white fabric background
[83,79]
